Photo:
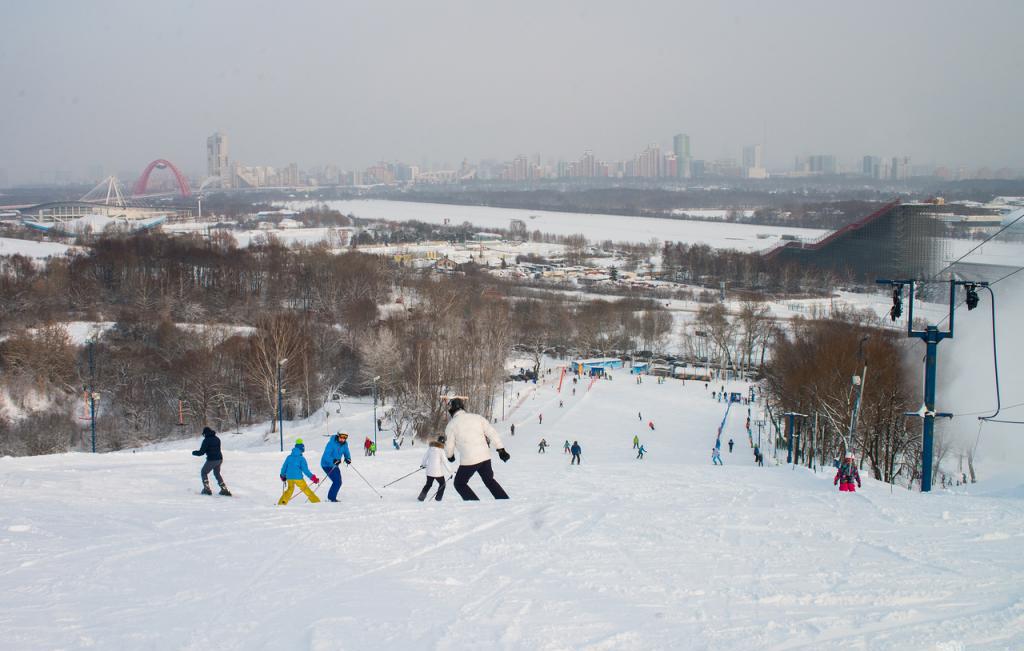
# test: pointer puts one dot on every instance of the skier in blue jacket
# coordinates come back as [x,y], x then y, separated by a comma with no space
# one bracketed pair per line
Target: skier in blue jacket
[334,453]
[292,471]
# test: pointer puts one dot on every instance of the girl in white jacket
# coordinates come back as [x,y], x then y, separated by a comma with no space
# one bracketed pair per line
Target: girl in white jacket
[436,467]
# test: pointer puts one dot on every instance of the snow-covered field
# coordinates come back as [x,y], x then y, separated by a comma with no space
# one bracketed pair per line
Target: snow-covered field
[595,227]
[33,249]
[119,551]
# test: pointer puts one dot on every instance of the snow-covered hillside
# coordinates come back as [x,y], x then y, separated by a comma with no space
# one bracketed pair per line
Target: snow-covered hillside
[119,551]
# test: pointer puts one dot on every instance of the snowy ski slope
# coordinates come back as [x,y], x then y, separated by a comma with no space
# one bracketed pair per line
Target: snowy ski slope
[119,551]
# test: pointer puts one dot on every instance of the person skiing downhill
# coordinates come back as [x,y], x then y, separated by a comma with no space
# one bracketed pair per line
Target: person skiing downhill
[640,452]
[292,471]
[636,441]
[366,446]
[433,462]
[214,458]
[730,446]
[576,451]
[540,419]
[716,456]
[471,434]
[566,447]
[650,424]
[846,475]
[542,446]
[336,451]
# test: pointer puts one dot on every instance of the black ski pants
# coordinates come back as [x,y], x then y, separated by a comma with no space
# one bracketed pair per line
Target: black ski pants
[575,459]
[215,467]
[465,473]
[426,488]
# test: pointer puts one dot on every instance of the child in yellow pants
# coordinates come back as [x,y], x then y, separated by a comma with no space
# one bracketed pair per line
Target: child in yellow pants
[293,470]
[302,486]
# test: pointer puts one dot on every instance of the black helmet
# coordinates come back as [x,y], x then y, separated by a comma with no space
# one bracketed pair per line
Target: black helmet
[454,405]
[208,432]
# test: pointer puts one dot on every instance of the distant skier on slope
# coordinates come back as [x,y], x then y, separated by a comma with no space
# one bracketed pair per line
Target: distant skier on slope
[335,452]
[436,468]
[650,424]
[846,475]
[576,451]
[366,446]
[636,441]
[716,457]
[540,419]
[211,448]
[542,446]
[292,471]
[471,434]
[566,447]
[730,446]
[640,452]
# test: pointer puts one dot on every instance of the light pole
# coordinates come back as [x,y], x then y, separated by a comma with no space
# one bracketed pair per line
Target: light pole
[92,395]
[860,382]
[280,396]
[375,378]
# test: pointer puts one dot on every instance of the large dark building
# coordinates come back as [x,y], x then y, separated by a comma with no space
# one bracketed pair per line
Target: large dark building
[896,241]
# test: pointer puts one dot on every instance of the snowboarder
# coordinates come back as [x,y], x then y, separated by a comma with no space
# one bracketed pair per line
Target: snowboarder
[335,452]
[636,441]
[542,447]
[471,434]
[366,446]
[214,459]
[576,450]
[716,457]
[292,471]
[566,447]
[640,452]
[650,424]
[433,462]
[730,446]
[846,475]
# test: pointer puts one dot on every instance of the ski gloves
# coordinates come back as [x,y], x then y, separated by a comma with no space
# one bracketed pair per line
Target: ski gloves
[315,480]
[282,478]
[504,456]
[451,459]
[337,462]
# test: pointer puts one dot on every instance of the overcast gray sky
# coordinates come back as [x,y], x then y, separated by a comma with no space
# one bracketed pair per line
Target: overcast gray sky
[119,84]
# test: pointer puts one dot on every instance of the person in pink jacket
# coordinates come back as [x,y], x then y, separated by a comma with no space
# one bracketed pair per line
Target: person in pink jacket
[846,475]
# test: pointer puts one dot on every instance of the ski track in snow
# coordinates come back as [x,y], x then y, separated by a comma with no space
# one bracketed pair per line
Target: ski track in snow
[119,551]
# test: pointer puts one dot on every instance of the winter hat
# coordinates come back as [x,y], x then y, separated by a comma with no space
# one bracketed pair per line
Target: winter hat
[300,442]
[454,405]
[208,432]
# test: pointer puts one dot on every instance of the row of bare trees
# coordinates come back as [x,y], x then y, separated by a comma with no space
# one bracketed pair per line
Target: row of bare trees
[811,372]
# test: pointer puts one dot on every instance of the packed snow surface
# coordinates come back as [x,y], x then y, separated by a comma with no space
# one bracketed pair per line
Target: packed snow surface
[120,551]
[32,249]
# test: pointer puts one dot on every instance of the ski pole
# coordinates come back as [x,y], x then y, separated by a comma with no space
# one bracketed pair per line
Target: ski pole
[367,483]
[402,477]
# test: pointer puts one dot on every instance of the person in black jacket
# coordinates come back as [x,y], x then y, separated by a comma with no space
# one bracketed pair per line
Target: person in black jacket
[211,448]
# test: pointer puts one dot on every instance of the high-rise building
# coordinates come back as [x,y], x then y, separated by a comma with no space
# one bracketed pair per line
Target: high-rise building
[681,148]
[217,156]
[753,162]
[822,164]
[900,169]
[872,167]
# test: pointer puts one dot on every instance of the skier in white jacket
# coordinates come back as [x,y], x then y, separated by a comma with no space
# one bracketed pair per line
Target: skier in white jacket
[433,461]
[470,434]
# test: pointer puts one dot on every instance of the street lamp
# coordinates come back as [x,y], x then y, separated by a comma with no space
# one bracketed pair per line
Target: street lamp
[858,381]
[280,411]
[375,378]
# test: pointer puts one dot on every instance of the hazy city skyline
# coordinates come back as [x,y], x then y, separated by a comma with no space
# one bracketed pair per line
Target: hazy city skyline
[119,84]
